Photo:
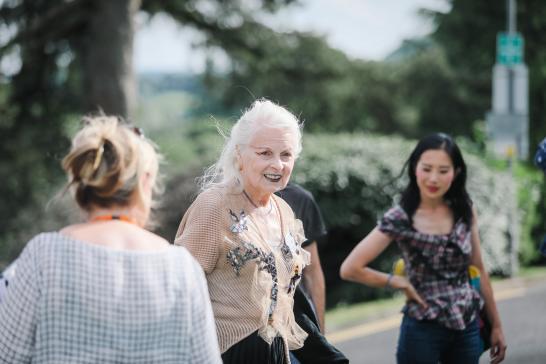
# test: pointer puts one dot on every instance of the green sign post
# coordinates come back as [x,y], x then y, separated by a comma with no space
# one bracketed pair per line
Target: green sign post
[509,48]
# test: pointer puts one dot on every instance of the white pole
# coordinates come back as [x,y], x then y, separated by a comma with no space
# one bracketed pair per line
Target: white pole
[513,229]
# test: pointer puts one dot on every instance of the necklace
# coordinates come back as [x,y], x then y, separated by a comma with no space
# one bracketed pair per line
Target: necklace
[256,206]
[124,218]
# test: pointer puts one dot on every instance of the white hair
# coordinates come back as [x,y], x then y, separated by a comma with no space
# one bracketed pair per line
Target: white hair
[261,114]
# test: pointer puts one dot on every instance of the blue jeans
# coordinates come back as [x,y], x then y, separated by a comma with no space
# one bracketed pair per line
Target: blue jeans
[428,342]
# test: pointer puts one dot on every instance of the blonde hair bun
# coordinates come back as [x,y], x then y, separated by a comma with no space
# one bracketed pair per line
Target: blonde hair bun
[106,161]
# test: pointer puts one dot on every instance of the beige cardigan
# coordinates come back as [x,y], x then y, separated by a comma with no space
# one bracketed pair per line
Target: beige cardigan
[251,284]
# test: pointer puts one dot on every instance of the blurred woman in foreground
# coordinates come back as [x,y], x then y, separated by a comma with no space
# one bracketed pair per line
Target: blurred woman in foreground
[107,290]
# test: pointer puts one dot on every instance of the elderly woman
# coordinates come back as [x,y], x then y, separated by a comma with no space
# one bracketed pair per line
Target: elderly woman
[106,290]
[247,239]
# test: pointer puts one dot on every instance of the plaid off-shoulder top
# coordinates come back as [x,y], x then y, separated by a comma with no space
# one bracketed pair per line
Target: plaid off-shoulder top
[70,301]
[437,266]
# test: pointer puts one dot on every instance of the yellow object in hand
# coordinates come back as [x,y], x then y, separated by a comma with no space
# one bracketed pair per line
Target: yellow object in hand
[473,272]
[398,268]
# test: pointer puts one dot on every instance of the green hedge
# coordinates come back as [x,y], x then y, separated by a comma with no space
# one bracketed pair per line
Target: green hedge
[530,196]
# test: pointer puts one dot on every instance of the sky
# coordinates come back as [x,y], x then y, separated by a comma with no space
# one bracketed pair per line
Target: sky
[365,29]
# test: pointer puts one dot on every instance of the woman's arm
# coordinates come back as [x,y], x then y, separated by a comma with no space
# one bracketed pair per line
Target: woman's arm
[355,269]
[498,343]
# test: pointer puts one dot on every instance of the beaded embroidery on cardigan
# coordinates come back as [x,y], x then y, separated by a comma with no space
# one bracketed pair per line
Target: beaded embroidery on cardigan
[247,277]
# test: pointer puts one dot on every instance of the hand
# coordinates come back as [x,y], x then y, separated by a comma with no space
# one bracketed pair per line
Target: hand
[400,282]
[498,346]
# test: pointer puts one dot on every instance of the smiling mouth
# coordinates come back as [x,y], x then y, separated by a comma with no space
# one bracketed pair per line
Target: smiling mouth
[273,177]
[433,189]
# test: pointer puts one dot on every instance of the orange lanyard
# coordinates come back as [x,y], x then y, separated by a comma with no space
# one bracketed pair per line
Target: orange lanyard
[125,218]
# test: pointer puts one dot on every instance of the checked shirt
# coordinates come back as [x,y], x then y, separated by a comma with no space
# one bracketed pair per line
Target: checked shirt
[75,302]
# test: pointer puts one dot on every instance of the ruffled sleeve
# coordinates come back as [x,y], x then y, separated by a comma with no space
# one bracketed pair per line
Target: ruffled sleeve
[299,236]
[394,222]
[295,229]
[298,231]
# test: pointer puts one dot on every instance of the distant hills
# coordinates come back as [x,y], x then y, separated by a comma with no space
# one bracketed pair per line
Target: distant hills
[151,84]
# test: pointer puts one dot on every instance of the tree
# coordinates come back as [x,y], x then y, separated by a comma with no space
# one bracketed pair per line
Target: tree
[97,36]
[431,90]
[76,57]
[329,91]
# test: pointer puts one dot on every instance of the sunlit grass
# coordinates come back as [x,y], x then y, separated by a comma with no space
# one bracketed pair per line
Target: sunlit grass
[532,272]
[344,316]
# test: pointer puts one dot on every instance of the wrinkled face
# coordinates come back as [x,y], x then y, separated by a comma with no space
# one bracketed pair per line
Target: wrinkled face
[266,162]
[434,173]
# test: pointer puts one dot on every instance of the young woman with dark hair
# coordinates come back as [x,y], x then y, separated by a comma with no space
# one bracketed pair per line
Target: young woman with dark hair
[436,228]
[456,196]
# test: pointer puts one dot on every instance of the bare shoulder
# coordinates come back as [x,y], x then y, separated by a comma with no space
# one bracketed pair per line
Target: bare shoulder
[72,229]
[155,238]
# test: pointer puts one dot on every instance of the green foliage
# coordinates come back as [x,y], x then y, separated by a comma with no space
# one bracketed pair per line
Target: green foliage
[318,83]
[530,194]
[35,103]
[415,92]
[438,83]
[430,86]
[30,152]
[530,200]
[176,122]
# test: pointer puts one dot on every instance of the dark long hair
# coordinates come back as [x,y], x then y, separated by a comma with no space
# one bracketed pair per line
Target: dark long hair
[456,197]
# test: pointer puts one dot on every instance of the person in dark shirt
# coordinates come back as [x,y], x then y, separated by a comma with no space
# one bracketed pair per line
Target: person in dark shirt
[309,301]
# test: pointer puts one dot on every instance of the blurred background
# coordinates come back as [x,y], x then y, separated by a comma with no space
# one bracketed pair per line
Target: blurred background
[367,77]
